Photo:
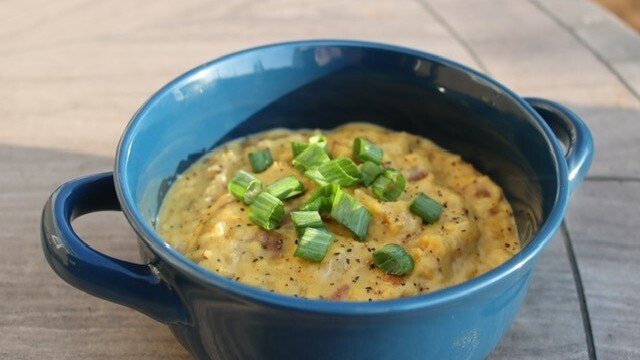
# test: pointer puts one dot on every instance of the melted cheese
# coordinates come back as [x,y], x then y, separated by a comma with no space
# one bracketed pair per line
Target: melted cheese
[475,233]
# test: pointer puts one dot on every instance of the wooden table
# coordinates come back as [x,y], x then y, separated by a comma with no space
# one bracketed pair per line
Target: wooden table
[73,72]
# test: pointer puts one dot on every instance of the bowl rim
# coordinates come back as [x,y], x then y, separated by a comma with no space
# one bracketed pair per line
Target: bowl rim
[430,300]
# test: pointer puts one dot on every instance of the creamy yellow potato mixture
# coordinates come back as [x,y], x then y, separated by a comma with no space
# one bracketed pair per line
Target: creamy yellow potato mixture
[475,232]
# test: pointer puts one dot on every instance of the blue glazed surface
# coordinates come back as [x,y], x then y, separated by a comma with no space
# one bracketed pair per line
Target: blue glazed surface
[323,84]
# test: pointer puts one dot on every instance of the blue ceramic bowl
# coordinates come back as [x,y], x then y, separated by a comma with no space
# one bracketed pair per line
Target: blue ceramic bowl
[537,150]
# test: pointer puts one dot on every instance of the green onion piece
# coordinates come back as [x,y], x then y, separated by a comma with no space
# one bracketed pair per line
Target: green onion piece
[349,212]
[244,186]
[393,259]
[260,160]
[312,156]
[320,140]
[388,185]
[306,219]
[298,147]
[313,244]
[316,176]
[369,171]
[364,150]
[322,199]
[286,187]
[427,208]
[341,170]
[266,211]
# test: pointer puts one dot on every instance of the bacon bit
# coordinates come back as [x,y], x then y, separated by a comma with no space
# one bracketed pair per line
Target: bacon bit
[483,193]
[340,293]
[394,279]
[286,219]
[417,174]
[271,241]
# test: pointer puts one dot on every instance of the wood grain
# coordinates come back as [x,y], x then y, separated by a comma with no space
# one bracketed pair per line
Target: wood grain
[601,219]
[74,71]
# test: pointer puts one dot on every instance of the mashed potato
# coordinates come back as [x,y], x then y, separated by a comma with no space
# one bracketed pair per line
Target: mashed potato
[475,232]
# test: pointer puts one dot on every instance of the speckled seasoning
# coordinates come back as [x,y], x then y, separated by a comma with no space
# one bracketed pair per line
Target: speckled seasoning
[475,232]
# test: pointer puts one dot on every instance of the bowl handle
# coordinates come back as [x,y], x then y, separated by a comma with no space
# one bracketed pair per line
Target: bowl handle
[573,135]
[133,285]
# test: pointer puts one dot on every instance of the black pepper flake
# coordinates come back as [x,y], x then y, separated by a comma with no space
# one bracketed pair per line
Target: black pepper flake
[332,284]
[507,245]
[355,279]
[255,260]
[291,278]
[348,261]
[368,288]
[349,250]
[336,253]
[370,300]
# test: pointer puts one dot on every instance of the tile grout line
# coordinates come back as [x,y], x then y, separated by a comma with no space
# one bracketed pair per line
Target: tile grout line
[582,300]
[592,50]
[428,8]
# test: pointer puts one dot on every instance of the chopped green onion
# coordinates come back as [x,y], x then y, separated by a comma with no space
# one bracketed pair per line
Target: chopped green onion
[244,186]
[322,199]
[260,160]
[320,140]
[393,259]
[316,176]
[427,208]
[312,156]
[349,212]
[364,150]
[369,171]
[298,147]
[286,187]
[266,211]
[306,219]
[388,185]
[341,170]
[313,244]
